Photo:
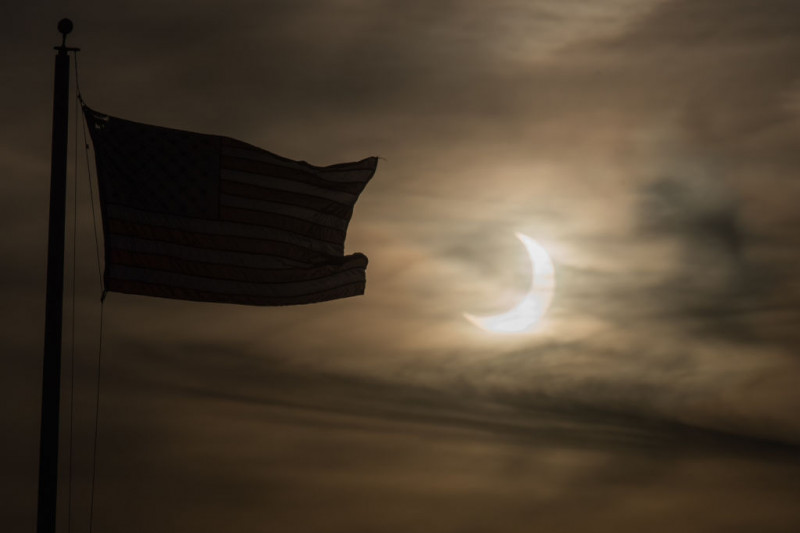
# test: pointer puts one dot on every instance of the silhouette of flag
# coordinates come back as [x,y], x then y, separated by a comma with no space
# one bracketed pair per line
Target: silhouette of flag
[209,218]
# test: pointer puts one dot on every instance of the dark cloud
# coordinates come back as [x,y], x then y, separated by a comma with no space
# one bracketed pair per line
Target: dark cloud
[705,219]
[260,434]
[364,402]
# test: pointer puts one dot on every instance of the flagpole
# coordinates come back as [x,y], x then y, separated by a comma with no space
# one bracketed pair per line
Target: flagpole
[51,368]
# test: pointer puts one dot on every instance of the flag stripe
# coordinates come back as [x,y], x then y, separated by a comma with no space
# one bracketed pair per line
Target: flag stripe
[120,214]
[293,173]
[284,223]
[172,279]
[229,243]
[246,190]
[325,235]
[233,272]
[182,293]
[288,185]
[299,213]
[352,172]
[278,259]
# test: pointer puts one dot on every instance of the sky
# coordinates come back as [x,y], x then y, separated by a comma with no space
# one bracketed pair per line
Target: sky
[651,146]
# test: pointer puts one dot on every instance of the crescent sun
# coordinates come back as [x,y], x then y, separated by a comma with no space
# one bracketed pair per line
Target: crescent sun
[537,300]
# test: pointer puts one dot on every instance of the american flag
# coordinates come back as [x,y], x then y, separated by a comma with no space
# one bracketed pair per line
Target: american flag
[209,218]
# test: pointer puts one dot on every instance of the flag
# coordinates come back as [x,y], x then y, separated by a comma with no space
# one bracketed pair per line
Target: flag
[210,218]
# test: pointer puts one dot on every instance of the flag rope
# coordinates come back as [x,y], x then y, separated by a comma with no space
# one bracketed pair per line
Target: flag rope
[93,481]
[91,187]
[96,418]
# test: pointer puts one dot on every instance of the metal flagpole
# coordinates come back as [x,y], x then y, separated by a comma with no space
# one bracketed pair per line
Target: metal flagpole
[51,368]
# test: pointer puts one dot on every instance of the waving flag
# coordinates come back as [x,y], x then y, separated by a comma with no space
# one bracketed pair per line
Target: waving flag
[209,218]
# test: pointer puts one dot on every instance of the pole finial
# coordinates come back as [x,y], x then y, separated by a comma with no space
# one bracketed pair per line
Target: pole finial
[64,26]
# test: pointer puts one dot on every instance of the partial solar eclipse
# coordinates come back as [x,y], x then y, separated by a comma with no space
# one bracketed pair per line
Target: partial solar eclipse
[528,312]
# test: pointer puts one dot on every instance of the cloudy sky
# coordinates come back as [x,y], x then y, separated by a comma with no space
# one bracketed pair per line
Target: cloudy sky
[651,146]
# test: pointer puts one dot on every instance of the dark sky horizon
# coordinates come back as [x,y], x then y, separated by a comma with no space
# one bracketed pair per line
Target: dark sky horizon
[651,146]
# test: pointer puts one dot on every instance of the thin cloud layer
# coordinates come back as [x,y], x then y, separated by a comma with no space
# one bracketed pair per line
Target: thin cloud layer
[650,146]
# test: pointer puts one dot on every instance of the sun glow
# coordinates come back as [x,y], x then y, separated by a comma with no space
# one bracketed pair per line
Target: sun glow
[530,310]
